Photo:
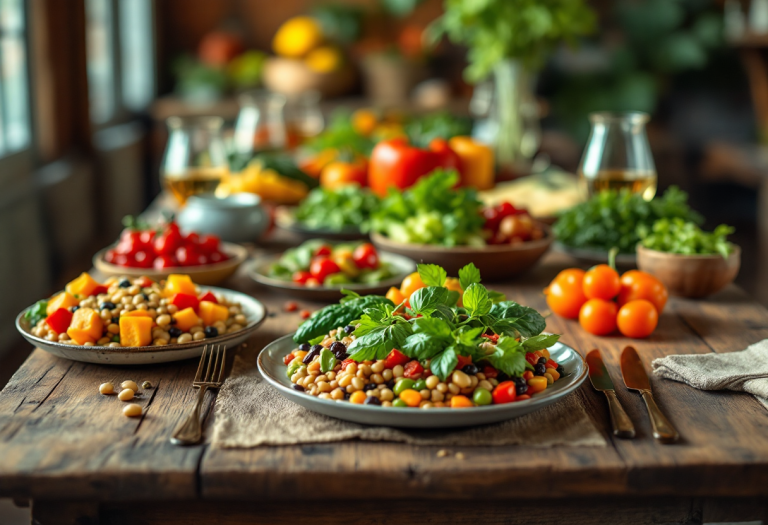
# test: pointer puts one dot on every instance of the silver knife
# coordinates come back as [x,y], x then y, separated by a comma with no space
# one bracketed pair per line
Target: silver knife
[601,381]
[636,378]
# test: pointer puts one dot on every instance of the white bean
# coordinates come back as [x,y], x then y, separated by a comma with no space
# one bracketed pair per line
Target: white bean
[107,388]
[125,395]
[132,410]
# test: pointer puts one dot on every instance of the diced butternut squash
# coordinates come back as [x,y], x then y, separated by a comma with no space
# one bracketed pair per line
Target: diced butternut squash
[83,286]
[63,300]
[177,283]
[86,326]
[135,330]
[212,312]
[186,319]
[136,313]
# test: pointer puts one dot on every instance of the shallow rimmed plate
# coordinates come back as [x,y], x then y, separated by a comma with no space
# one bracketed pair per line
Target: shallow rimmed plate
[625,260]
[270,362]
[253,309]
[259,272]
[208,274]
[285,219]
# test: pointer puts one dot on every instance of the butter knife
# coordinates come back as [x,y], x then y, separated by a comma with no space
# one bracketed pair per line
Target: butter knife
[601,381]
[636,378]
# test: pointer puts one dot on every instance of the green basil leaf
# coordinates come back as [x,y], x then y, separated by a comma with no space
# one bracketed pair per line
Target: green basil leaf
[37,312]
[496,297]
[335,315]
[476,300]
[539,342]
[513,317]
[348,295]
[426,300]
[294,365]
[468,336]
[317,340]
[443,363]
[423,346]
[432,326]
[432,274]
[327,360]
[377,343]
[508,356]
[468,276]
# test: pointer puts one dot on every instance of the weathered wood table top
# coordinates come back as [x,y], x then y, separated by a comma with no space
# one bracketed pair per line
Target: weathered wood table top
[61,440]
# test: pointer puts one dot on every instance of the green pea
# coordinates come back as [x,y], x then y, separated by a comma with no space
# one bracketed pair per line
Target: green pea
[482,397]
[420,385]
[403,384]
[399,403]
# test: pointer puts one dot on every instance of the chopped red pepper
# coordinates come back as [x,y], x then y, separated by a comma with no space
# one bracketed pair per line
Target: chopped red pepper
[183,301]
[505,392]
[493,337]
[287,359]
[551,364]
[413,369]
[99,290]
[532,358]
[146,282]
[346,363]
[490,372]
[59,320]
[208,296]
[395,357]
[464,360]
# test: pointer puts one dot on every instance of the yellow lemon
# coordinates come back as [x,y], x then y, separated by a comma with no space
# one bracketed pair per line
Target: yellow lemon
[297,37]
[324,59]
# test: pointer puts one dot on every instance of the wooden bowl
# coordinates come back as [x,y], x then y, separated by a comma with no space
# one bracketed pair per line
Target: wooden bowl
[495,262]
[208,274]
[690,275]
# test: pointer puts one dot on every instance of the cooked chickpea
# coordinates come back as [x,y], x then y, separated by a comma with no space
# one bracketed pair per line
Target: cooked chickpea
[454,388]
[160,342]
[107,388]
[172,308]
[436,396]
[358,383]
[337,394]
[240,319]
[63,336]
[351,368]
[132,410]
[377,378]
[114,345]
[387,374]
[129,384]
[184,338]
[398,371]
[133,290]
[234,328]
[163,320]
[432,381]
[104,341]
[125,395]
[426,393]
[195,329]
[331,375]
[485,384]
[442,387]
[386,395]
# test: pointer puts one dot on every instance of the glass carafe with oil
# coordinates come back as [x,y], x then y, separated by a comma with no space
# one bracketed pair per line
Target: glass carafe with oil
[618,155]
[195,160]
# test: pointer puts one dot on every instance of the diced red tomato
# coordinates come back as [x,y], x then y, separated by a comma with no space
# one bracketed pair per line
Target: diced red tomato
[209,244]
[523,397]
[305,314]
[59,320]
[146,282]
[491,219]
[99,289]
[143,259]
[301,277]
[490,372]
[395,357]
[505,392]
[323,251]
[493,337]
[165,261]
[366,256]
[287,359]
[183,301]
[167,242]
[531,358]
[322,268]
[527,375]
[464,360]
[208,296]
[291,306]
[346,363]
[551,363]
[413,369]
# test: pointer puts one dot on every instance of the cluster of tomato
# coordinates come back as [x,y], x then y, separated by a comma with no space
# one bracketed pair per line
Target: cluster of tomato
[325,262]
[603,301]
[510,225]
[167,248]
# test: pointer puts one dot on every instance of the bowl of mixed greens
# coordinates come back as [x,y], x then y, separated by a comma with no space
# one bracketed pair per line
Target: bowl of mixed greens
[613,219]
[336,213]
[689,261]
[319,269]
[436,222]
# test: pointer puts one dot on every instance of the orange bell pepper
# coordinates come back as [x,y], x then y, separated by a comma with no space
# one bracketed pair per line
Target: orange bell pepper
[86,326]
[63,300]
[83,286]
[211,312]
[135,330]
[477,162]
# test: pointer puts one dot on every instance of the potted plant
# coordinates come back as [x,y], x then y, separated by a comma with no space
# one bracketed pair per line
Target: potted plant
[510,40]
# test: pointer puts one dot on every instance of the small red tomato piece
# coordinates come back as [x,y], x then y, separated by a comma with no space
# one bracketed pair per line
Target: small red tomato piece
[165,261]
[346,363]
[505,392]
[322,268]
[413,369]
[192,239]
[323,251]
[366,256]
[208,244]
[291,306]
[532,358]
[551,363]
[490,372]
[183,301]
[395,357]
[523,397]
[287,359]
[305,314]
[99,290]
[59,320]
[208,296]
[463,360]
[301,277]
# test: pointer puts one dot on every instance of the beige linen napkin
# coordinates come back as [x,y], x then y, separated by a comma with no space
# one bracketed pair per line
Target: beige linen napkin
[250,413]
[745,371]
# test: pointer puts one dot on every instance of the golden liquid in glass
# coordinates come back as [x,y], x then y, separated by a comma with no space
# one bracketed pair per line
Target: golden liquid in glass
[643,183]
[194,182]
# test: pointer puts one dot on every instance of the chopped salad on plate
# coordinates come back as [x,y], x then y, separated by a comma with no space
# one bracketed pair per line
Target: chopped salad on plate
[447,342]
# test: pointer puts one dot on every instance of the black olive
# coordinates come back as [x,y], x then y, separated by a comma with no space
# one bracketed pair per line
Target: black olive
[369,386]
[210,331]
[73,309]
[519,381]
[125,283]
[349,329]
[521,389]
[370,400]
[304,347]
[542,361]
[539,370]
[470,369]
[502,377]
[107,305]
[314,351]
[347,395]
[174,332]
[560,370]
[116,320]
[391,384]
[339,350]
[298,387]
[173,320]
[145,296]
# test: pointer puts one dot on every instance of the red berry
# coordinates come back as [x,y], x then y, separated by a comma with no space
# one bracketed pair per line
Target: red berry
[291,306]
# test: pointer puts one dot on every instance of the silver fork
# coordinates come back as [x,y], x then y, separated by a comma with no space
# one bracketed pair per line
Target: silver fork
[210,372]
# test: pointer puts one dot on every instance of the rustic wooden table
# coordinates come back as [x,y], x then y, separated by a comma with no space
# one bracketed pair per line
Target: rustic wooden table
[71,453]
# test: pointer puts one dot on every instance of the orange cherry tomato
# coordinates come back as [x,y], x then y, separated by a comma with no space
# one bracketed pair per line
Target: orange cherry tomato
[602,282]
[338,173]
[640,285]
[565,294]
[411,283]
[638,318]
[598,316]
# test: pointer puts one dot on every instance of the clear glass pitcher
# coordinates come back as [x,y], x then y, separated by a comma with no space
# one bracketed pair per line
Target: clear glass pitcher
[260,123]
[304,116]
[195,159]
[618,155]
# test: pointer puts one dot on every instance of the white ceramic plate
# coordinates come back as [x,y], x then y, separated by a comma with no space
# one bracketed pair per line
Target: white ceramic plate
[401,265]
[270,362]
[253,310]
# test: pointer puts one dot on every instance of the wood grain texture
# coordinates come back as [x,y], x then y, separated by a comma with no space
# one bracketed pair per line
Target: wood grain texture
[59,439]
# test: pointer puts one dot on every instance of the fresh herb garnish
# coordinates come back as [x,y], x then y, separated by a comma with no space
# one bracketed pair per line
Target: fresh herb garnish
[37,312]
[686,238]
[327,360]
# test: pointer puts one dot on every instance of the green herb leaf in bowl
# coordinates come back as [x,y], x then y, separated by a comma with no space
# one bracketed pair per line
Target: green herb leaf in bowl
[336,209]
[686,238]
